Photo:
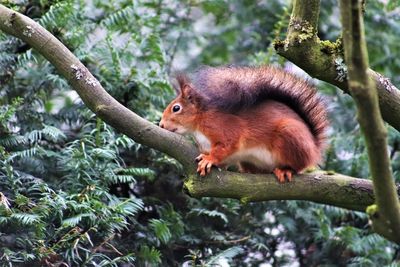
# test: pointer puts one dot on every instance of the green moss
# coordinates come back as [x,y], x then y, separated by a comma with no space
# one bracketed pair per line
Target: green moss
[101,108]
[310,169]
[245,200]
[330,172]
[372,210]
[329,47]
[303,29]
[188,184]
[280,44]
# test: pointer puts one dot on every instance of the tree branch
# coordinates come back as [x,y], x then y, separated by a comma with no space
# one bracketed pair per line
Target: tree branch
[386,217]
[320,187]
[338,190]
[324,59]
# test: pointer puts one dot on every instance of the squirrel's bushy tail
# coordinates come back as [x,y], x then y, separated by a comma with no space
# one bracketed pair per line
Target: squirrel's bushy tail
[232,89]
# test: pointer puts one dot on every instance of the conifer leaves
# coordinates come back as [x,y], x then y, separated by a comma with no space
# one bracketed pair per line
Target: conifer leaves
[161,230]
[150,255]
[210,213]
[25,218]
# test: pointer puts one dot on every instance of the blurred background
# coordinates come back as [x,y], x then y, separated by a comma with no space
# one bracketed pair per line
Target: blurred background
[75,192]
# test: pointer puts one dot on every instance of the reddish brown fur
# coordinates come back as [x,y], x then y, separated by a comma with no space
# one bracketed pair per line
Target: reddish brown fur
[235,88]
[260,134]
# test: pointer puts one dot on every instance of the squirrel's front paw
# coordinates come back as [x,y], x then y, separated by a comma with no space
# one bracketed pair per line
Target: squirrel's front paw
[283,174]
[205,164]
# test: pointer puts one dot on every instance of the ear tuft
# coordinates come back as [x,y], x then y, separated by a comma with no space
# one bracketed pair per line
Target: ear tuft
[182,80]
[184,86]
[187,91]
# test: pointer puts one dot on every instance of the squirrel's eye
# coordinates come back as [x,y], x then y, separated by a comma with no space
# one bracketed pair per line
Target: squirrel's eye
[176,108]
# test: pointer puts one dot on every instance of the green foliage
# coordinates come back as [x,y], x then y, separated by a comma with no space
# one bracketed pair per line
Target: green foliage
[225,254]
[75,192]
[150,256]
[210,213]
[161,230]
[62,169]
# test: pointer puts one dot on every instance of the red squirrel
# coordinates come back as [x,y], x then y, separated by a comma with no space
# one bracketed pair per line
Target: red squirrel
[261,119]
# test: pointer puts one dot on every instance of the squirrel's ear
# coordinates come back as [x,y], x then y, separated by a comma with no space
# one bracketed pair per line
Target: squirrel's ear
[191,95]
[187,92]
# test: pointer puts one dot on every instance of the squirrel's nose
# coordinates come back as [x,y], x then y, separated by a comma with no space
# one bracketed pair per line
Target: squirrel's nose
[161,124]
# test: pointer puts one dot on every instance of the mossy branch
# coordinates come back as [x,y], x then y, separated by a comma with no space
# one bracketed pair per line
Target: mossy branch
[386,215]
[319,186]
[324,60]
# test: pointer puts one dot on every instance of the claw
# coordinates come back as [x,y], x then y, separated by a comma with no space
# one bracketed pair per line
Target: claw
[204,164]
[283,175]
[199,157]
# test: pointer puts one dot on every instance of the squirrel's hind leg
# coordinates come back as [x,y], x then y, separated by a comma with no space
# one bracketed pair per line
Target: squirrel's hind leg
[282,174]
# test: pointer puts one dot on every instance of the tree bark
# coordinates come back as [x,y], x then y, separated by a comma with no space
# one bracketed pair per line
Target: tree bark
[386,215]
[320,187]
